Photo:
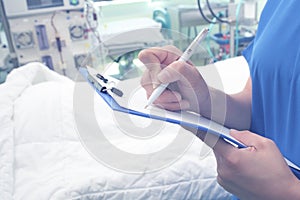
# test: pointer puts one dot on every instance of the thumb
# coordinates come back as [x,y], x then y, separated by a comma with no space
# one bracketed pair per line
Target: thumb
[246,137]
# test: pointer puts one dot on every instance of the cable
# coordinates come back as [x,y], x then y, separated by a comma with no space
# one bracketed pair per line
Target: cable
[227,22]
[91,16]
[52,22]
[214,15]
[203,15]
[58,44]
[237,14]
[208,38]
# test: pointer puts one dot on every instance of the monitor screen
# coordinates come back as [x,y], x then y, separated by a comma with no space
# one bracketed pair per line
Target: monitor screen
[37,4]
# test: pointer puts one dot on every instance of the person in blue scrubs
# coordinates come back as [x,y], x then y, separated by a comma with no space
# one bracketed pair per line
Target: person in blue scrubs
[266,112]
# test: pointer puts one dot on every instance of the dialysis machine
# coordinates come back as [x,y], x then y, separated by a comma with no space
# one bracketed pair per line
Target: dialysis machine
[54,32]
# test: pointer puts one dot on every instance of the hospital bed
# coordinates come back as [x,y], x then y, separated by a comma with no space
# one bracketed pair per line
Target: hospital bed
[42,157]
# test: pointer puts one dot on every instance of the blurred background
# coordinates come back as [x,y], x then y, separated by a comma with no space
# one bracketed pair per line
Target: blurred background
[107,35]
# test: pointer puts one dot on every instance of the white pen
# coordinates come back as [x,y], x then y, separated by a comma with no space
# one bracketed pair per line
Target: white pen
[184,57]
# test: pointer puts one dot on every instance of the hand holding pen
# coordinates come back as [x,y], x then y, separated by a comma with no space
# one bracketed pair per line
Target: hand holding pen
[184,58]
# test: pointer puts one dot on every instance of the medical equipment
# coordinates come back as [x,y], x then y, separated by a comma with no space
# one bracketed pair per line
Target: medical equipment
[121,41]
[62,33]
[54,32]
[32,7]
[7,52]
[242,12]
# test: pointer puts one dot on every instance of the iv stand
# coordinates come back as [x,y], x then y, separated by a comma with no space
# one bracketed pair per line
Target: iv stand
[12,52]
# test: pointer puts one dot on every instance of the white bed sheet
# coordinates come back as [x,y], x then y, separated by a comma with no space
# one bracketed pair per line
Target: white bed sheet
[41,156]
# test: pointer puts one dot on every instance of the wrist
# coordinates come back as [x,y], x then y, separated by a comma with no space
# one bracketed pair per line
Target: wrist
[214,106]
[203,107]
[201,103]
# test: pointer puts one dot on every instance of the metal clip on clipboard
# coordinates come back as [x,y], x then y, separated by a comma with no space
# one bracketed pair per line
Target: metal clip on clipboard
[105,86]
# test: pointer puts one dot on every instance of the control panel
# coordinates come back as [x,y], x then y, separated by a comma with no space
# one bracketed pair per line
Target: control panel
[16,8]
[59,39]
[54,32]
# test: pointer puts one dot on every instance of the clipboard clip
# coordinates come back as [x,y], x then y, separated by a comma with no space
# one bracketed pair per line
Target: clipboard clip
[105,86]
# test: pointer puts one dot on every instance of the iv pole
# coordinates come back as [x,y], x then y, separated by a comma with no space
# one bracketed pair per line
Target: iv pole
[12,52]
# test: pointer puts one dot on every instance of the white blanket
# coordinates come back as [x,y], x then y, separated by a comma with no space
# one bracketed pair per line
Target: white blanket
[41,156]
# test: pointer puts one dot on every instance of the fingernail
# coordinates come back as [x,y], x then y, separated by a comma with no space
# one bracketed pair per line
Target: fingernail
[154,86]
[251,148]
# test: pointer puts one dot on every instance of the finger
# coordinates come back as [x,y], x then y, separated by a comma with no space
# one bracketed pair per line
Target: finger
[248,138]
[174,106]
[212,140]
[166,55]
[251,140]
[157,58]
[220,147]
[216,142]
[169,96]
[172,100]
[146,83]
[187,74]
[174,72]
[153,66]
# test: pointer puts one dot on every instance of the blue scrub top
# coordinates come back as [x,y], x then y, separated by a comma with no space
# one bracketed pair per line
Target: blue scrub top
[274,61]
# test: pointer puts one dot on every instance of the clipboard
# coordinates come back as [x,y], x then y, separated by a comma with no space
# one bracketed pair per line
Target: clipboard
[111,94]
[183,118]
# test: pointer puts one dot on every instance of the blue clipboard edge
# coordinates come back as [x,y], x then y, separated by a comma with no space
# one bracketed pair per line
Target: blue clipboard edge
[116,107]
